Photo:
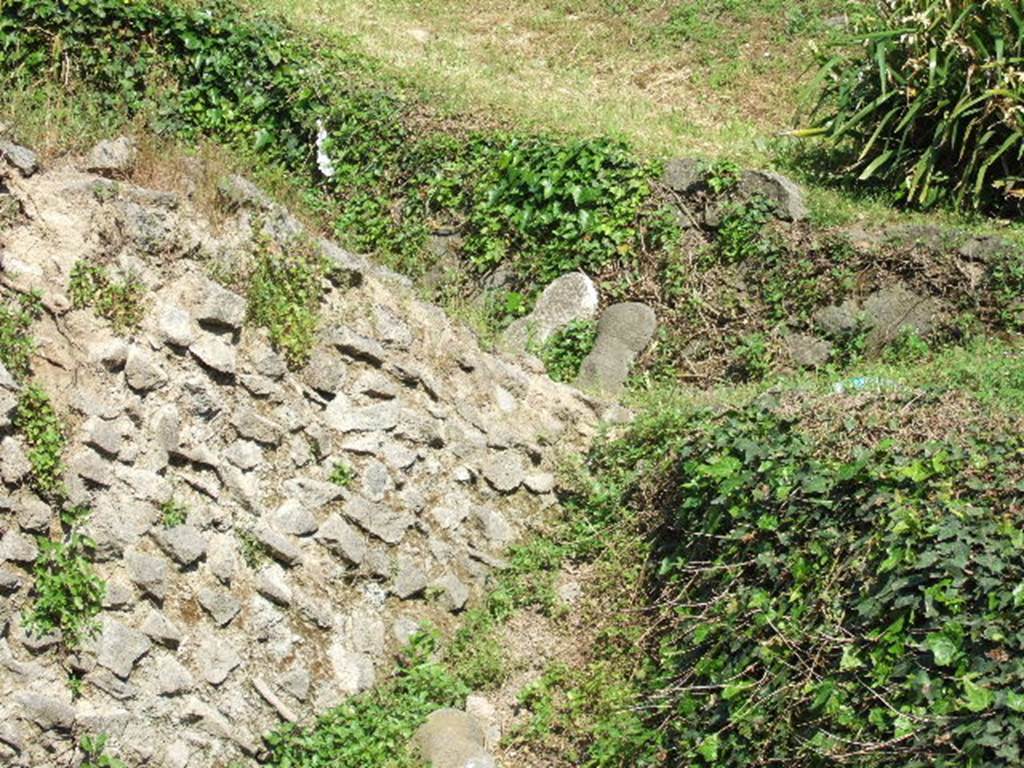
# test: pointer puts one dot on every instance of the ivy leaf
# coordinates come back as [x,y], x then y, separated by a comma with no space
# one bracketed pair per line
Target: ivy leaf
[709,748]
[1015,701]
[943,649]
[977,698]
[850,660]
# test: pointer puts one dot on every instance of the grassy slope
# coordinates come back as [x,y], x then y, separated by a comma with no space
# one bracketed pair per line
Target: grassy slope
[676,78]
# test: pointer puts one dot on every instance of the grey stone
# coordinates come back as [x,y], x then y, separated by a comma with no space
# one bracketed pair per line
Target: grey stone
[220,604]
[184,543]
[326,372]
[623,332]
[244,454]
[495,527]
[174,326]
[215,354]
[112,354]
[166,426]
[239,192]
[160,629]
[8,406]
[895,310]
[685,176]
[453,593]
[14,464]
[312,494]
[295,682]
[346,266]
[353,671]
[22,158]
[838,320]
[47,712]
[251,426]
[383,521]
[375,384]
[357,346]
[783,192]
[113,157]
[391,329]
[807,351]
[220,308]
[142,373]
[570,297]
[220,558]
[450,514]
[410,579]
[342,539]
[172,678]
[7,380]
[273,585]
[117,595]
[452,739]
[371,418]
[216,659]
[10,582]
[16,547]
[120,647]
[504,470]
[540,482]
[293,518]
[150,573]
[107,437]
[34,515]
[280,547]
[376,481]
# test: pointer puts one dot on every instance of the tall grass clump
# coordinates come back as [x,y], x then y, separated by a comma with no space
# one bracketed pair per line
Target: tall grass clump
[928,96]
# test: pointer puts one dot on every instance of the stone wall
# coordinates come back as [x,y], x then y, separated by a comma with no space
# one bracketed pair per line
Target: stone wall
[282,592]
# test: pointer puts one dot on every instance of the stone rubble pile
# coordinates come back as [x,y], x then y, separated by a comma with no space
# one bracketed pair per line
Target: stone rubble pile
[282,592]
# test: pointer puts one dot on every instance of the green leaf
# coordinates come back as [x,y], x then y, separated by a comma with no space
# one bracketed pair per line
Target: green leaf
[709,748]
[976,697]
[943,649]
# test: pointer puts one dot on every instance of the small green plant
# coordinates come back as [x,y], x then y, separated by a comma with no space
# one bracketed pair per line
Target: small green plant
[119,301]
[564,352]
[96,756]
[37,421]
[75,684]
[16,343]
[173,513]
[723,177]
[285,290]
[68,592]
[254,553]
[342,475]
[907,347]
[741,235]
[752,358]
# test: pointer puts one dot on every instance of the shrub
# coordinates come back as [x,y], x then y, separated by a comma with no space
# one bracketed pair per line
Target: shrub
[931,99]
[819,597]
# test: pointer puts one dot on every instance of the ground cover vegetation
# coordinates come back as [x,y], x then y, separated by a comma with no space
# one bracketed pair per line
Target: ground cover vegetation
[533,205]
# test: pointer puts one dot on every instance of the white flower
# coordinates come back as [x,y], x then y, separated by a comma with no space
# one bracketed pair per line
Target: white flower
[323,160]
